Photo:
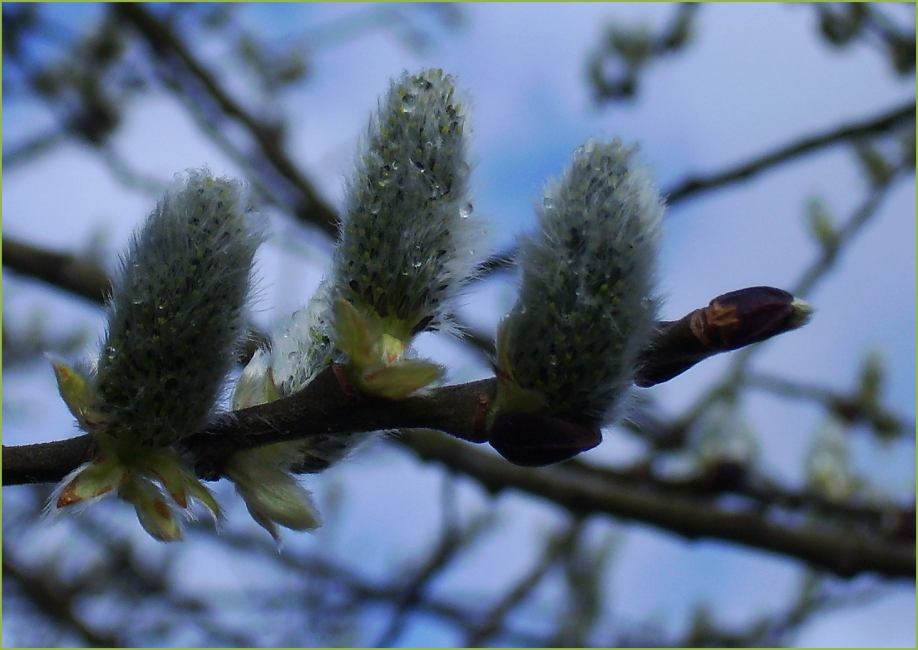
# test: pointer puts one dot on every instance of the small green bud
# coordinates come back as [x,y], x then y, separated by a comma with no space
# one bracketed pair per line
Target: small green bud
[155,514]
[89,482]
[828,463]
[874,163]
[273,497]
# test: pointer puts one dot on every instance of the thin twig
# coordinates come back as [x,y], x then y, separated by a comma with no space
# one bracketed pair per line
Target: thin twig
[55,600]
[557,546]
[696,185]
[175,55]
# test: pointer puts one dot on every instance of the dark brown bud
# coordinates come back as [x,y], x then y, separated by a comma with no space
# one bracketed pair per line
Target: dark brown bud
[729,322]
[534,440]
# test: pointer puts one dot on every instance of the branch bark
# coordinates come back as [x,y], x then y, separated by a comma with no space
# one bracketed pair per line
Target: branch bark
[323,409]
[61,270]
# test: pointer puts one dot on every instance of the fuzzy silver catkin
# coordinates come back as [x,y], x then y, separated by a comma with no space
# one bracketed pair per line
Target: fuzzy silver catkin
[587,303]
[301,350]
[305,346]
[176,311]
[407,241]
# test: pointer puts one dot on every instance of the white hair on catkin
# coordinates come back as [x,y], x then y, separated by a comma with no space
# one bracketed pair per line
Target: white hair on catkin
[408,238]
[587,303]
[176,311]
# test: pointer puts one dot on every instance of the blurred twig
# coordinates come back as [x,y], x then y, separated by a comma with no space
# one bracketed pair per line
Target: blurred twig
[37,145]
[54,599]
[60,270]
[693,186]
[556,546]
[451,543]
[176,57]
[630,49]
[850,408]
[815,543]
[321,568]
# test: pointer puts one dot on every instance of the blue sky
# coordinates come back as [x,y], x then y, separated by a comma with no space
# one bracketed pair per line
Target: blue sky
[755,77]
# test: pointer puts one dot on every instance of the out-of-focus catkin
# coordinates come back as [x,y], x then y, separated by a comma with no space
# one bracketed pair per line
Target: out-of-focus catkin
[587,303]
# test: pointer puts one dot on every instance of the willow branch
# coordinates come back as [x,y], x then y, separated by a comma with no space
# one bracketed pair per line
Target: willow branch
[322,408]
[61,270]
[821,546]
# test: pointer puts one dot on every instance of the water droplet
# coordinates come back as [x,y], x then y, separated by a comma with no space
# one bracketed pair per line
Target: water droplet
[394,164]
[417,265]
[547,203]
[408,101]
[466,210]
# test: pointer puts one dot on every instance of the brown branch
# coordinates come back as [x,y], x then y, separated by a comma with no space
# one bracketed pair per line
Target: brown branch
[696,185]
[849,407]
[822,546]
[61,270]
[322,408]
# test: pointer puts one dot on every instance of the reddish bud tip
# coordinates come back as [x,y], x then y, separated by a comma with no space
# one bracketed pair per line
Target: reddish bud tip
[740,318]
[729,322]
